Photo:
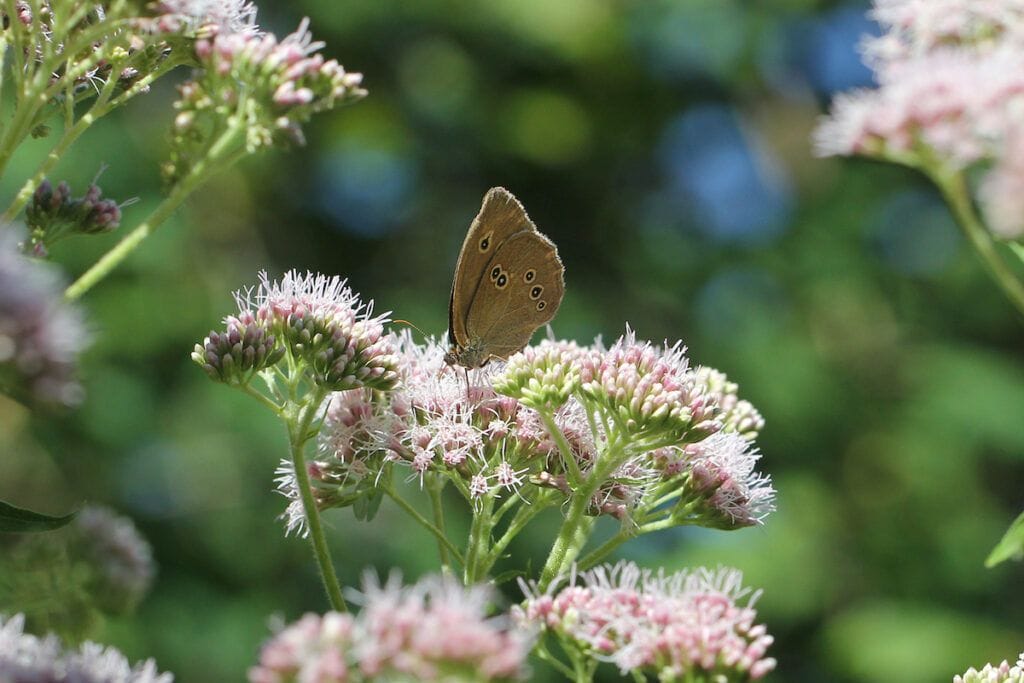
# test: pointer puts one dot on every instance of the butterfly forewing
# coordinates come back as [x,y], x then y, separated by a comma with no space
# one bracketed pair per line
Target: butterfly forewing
[501,216]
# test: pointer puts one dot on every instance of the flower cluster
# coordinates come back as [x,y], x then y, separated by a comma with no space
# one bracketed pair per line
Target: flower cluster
[191,17]
[317,321]
[951,87]
[435,630]
[24,657]
[40,334]
[1003,673]
[647,433]
[54,214]
[648,390]
[687,626]
[251,85]
[120,560]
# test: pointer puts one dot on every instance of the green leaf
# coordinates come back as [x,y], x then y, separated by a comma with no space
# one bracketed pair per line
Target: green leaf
[508,576]
[366,506]
[18,520]
[1010,546]
[1018,249]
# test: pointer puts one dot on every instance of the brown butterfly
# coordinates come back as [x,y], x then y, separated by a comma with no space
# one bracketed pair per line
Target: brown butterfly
[508,282]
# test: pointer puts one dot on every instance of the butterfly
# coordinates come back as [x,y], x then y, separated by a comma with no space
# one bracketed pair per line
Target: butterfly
[508,282]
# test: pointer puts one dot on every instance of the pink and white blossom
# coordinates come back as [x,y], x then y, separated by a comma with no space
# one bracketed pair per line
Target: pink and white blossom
[673,626]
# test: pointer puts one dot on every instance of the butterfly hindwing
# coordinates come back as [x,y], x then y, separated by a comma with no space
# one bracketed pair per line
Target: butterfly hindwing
[521,289]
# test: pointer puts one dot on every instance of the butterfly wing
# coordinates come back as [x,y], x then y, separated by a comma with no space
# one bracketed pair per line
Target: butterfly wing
[521,289]
[501,215]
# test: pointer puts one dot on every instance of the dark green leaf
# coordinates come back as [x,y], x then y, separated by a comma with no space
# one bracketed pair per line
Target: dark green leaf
[18,520]
[1010,546]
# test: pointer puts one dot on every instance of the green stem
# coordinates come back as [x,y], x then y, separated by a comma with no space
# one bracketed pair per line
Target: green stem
[954,190]
[24,113]
[298,435]
[572,467]
[518,522]
[221,154]
[571,537]
[545,654]
[446,545]
[479,541]
[103,105]
[273,407]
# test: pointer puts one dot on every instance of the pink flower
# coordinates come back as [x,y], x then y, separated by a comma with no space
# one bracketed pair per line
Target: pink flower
[651,390]
[24,657]
[674,627]
[435,630]
[1001,673]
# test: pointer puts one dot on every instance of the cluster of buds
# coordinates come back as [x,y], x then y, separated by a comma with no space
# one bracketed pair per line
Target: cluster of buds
[435,630]
[635,421]
[54,214]
[951,86]
[687,626]
[120,561]
[40,334]
[251,83]
[1001,673]
[316,321]
[24,657]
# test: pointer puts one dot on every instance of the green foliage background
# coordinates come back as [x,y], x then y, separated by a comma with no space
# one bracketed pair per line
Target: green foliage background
[888,367]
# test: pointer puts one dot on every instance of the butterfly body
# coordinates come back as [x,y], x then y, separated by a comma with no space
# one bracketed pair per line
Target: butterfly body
[508,282]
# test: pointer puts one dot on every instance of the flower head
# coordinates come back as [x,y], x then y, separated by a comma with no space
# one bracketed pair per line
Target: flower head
[221,17]
[536,424]
[1002,673]
[435,630]
[719,486]
[675,627]
[649,390]
[913,28]
[24,657]
[542,376]
[53,214]
[121,560]
[40,334]
[317,320]
[253,83]
[237,354]
[735,414]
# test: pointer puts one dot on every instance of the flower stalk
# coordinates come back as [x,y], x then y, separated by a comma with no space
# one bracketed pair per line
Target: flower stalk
[954,190]
[223,154]
[299,422]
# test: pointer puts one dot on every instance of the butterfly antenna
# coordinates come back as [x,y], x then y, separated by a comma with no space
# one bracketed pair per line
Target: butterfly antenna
[406,322]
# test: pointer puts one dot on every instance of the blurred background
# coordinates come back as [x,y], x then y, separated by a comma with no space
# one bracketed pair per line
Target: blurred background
[664,146]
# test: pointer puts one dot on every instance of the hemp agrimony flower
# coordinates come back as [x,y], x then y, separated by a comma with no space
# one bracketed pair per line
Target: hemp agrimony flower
[40,334]
[630,432]
[253,87]
[689,626]
[316,320]
[25,658]
[120,560]
[1001,673]
[53,214]
[435,630]
[951,86]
